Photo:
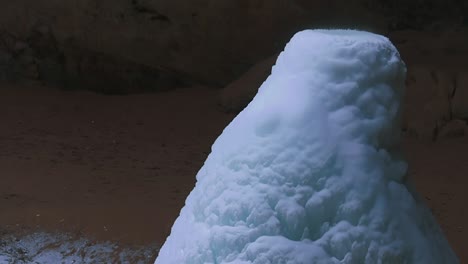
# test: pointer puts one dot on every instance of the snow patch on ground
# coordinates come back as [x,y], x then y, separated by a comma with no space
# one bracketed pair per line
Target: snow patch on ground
[47,248]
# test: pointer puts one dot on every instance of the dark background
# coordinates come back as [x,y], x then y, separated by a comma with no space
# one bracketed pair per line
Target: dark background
[108,108]
[160,43]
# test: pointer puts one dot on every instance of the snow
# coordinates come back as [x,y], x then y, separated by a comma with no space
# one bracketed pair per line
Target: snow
[311,171]
[48,248]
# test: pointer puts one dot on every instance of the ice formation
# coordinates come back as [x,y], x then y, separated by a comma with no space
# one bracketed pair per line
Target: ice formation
[310,171]
[52,248]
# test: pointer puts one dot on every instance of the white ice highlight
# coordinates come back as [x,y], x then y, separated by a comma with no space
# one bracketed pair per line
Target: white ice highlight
[310,171]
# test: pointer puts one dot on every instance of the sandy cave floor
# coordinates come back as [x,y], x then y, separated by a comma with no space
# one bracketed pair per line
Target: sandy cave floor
[109,174]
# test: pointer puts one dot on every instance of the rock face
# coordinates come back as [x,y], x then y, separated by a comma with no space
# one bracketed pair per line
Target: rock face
[454,128]
[238,94]
[16,59]
[39,56]
[460,95]
[109,74]
[123,46]
[428,101]
[214,41]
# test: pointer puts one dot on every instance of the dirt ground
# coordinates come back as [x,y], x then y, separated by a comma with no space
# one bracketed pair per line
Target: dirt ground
[118,168]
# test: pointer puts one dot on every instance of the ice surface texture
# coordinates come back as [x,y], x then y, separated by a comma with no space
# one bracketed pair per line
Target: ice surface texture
[310,171]
[55,248]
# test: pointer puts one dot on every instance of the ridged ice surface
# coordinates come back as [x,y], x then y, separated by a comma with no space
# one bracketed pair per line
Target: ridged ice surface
[310,171]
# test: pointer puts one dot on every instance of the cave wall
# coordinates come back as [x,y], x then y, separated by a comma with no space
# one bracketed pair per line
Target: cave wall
[132,45]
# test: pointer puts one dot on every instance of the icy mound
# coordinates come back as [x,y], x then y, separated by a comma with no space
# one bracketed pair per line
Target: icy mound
[310,171]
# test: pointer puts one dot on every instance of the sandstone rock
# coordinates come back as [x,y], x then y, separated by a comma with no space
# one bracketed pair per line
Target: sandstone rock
[5,61]
[6,42]
[427,103]
[26,66]
[47,55]
[20,46]
[460,96]
[108,74]
[16,59]
[403,14]
[433,49]
[211,40]
[454,128]
[40,57]
[238,94]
